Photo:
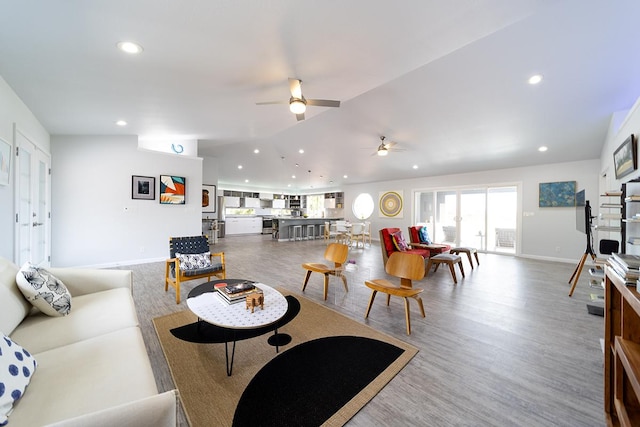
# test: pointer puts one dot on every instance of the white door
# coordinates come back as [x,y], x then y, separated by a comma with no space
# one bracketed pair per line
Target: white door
[33,202]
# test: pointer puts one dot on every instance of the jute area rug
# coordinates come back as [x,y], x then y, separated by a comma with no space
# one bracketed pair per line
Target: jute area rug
[210,397]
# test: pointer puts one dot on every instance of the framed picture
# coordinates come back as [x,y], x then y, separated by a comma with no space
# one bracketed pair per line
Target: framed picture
[625,157]
[143,187]
[172,190]
[557,194]
[390,204]
[209,198]
[5,162]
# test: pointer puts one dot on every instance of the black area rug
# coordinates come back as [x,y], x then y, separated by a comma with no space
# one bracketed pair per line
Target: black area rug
[206,333]
[308,383]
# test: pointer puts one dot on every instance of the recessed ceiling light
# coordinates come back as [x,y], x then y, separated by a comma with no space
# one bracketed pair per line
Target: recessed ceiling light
[293,176]
[256,151]
[121,123]
[239,166]
[542,149]
[129,47]
[246,180]
[301,151]
[288,185]
[535,79]
[415,166]
[345,176]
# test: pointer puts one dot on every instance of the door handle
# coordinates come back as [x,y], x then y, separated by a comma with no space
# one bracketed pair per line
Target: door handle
[36,224]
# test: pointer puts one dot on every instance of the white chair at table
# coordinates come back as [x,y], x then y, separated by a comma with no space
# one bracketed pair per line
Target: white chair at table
[329,232]
[357,233]
[342,228]
[367,231]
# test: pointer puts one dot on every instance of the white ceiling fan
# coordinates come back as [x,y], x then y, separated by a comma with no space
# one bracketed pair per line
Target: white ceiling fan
[385,147]
[298,103]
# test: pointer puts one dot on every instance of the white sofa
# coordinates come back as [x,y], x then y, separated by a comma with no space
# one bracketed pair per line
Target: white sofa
[93,368]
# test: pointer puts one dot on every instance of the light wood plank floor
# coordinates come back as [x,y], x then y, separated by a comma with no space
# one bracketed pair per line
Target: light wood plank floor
[505,346]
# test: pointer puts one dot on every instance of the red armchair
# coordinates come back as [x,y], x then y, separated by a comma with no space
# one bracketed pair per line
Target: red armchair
[388,247]
[433,248]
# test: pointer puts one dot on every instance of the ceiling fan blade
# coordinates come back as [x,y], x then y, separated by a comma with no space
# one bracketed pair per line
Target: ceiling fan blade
[323,102]
[272,102]
[295,86]
[300,116]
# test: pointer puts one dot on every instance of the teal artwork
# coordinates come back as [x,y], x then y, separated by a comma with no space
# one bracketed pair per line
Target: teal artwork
[557,194]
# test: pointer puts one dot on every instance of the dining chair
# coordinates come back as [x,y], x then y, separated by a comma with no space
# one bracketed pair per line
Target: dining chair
[367,231]
[407,267]
[335,253]
[329,233]
[357,234]
[342,228]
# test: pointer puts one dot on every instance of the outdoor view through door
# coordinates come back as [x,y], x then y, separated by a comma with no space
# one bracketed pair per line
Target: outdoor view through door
[483,218]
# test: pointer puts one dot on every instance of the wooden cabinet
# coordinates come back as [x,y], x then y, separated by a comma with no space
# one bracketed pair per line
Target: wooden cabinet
[621,352]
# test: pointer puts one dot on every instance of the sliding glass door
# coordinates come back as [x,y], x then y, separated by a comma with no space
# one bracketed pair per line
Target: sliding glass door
[483,218]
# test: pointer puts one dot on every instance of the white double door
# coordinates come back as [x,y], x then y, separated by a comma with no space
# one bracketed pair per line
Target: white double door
[32,202]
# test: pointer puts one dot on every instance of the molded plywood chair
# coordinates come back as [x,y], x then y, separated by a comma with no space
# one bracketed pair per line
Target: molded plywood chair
[191,259]
[407,267]
[335,253]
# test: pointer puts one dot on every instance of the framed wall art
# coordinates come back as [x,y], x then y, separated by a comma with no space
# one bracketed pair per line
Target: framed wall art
[172,190]
[143,187]
[390,205]
[557,194]
[625,158]
[209,198]
[5,162]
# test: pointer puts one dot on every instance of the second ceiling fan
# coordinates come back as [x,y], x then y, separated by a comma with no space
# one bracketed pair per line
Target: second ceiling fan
[298,103]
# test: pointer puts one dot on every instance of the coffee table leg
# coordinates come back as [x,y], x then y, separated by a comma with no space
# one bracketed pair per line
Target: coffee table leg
[226,354]
[277,339]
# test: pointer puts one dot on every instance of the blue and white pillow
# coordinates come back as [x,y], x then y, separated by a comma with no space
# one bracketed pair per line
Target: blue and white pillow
[16,369]
[194,261]
[424,235]
[45,291]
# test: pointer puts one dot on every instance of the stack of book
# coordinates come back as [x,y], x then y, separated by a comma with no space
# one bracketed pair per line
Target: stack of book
[626,266]
[237,292]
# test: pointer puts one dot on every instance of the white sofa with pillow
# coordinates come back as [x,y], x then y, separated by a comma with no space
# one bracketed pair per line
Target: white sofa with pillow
[92,365]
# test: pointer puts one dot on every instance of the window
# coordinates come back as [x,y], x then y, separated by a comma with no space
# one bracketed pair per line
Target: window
[363,206]
[315,205]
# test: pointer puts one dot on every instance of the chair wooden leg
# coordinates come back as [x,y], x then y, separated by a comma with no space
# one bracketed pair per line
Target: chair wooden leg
[407,315]
[306,280]
[388,298]
[470,260]
[373,296]
[177,291]
[344,281]
[453,273]
[476,255]
[420,305]
[428,268]
[326,285]
[461,269]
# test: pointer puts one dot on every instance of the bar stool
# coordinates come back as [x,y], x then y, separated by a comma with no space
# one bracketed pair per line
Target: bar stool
[311,232]
[295,232]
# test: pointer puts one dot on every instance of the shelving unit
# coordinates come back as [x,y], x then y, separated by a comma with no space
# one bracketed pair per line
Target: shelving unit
[621,352]
[630,226]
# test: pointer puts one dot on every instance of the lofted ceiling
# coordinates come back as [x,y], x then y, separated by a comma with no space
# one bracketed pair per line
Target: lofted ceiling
[445,80]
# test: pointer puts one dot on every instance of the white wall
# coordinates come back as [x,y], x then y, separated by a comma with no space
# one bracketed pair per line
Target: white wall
[94,220]
[542,229]
[13,110]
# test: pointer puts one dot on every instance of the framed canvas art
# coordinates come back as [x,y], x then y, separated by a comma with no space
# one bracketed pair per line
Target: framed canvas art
[209,198]
[143,187]
[625,157]
[557,194]
[172,190]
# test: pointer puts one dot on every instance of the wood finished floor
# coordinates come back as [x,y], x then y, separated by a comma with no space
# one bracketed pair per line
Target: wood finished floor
[505,346]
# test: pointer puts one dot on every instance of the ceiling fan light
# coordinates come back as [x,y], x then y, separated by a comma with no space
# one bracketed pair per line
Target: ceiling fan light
[297,106]
[382,151]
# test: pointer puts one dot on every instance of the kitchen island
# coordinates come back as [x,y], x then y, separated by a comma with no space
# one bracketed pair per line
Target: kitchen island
[282,226]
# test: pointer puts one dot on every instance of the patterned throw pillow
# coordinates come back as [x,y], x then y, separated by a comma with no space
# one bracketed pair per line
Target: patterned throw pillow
[16,368]
[45,291]
[399,242]
[424,236]
[194,261]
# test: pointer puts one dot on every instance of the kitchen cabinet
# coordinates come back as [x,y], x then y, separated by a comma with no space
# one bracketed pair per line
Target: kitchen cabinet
[232,202]
[250,202]
[278,203]
[266,196]
[240,225]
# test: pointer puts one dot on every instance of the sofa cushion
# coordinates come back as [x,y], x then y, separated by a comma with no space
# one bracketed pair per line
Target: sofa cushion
[86,376]
[17,366]
[194,261]
[44,290]
[92,315]
[13,305]
[399,242]
[388,241]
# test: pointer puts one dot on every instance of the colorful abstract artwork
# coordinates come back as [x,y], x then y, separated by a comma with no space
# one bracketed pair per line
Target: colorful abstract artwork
[557,194]
[172,190]
[391,204]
